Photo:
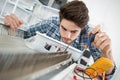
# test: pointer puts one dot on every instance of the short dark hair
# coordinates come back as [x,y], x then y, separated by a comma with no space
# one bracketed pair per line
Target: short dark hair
[75,11]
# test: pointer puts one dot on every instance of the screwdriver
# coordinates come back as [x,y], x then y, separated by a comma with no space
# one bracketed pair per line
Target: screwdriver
[91,39]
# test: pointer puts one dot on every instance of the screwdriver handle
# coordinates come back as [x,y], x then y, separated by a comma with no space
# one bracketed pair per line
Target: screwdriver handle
[92,37]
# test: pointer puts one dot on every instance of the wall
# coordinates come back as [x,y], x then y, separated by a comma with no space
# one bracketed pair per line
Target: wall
[106,13]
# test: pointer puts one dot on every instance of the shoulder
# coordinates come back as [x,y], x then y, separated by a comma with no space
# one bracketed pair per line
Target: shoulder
[51,22]
[55,20]
[46,24]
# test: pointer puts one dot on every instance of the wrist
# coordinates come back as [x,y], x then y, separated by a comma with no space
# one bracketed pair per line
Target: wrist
[108,54]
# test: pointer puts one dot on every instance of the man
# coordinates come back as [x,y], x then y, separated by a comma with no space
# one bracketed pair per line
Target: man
[71,29]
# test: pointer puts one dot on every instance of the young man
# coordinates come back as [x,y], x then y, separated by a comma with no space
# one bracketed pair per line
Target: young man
[72,29]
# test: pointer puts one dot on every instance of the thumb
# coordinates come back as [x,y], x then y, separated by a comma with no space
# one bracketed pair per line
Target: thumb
[21,22]
[96,29]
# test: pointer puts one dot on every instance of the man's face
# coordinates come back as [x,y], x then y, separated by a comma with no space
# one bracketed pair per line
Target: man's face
[69,31]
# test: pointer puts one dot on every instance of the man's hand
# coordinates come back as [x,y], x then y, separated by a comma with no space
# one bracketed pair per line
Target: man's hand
[102,41]
[12,21]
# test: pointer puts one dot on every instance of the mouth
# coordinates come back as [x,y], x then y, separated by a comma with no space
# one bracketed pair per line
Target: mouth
[66,40]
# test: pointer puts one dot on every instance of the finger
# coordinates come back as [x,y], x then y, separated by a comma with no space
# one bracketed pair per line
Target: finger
[101,41]
[106,47]
[96,29]
[21,22]
[6,21]
[12,23]
[106,44]
[99,36]
[16,20]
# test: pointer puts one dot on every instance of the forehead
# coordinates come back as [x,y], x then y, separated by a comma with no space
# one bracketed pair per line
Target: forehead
[69,25]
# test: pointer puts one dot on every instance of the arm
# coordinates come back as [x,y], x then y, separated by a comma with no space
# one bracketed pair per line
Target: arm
[103,42]
[14,23]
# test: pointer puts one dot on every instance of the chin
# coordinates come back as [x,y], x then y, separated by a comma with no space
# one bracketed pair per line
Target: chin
[68,42]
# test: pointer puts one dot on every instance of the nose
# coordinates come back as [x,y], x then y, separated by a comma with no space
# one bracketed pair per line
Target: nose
[67,34]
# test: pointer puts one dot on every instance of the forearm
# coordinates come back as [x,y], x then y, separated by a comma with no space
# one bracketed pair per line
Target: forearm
[109,55]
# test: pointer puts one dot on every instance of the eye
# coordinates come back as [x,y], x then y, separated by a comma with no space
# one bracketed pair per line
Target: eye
[64,28]
[73,32]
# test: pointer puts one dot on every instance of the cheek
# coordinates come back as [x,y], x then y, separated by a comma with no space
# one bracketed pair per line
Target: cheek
[74,36]
[62,32]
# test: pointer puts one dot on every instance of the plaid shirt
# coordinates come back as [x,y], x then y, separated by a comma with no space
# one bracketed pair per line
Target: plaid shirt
[51,28]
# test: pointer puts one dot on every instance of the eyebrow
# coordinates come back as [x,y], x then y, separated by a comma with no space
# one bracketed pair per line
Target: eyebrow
[66,29]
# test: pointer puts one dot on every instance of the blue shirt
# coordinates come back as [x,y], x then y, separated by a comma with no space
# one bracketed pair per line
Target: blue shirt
[51,28]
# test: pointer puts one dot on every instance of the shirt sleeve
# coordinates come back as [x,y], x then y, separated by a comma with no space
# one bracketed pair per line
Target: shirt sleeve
[42,27]
[109,76]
